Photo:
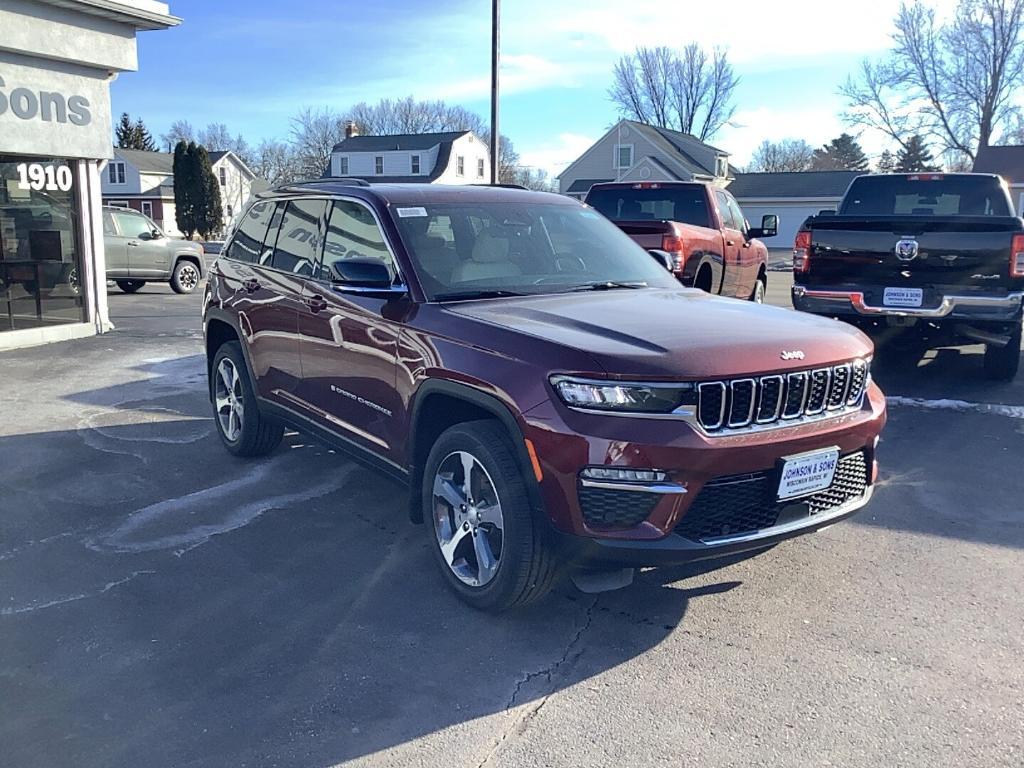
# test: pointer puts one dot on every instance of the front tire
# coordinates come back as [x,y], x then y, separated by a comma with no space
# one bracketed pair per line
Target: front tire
[1002,363]
[241,426]
[130,286]
[185,278]
[491,548]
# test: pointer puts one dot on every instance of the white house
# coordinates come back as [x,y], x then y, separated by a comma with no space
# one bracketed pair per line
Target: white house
[791,196]
[457,157]
[633,151]
[144,181]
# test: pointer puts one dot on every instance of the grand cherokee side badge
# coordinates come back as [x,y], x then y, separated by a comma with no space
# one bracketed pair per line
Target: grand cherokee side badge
[792,354]
[906,249]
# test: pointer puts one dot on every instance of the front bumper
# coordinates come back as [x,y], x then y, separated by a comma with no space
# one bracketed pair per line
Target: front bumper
[840,302]
[567,441]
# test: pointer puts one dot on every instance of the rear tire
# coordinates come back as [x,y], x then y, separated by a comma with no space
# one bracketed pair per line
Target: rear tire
[130,286]
[703,280]
[243,429]
[513,564]
[185,278]
[1002,363]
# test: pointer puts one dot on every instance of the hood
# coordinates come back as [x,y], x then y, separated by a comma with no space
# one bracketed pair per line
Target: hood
[674,333]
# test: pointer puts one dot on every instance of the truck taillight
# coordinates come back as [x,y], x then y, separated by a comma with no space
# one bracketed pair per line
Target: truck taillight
[802,251]
[1017,256]
[673,245]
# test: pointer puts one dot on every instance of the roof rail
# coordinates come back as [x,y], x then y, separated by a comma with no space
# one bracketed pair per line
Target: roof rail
[503,186]
[352,182]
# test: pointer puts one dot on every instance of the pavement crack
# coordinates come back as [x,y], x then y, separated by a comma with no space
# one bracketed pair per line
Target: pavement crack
[521,723]
[38,606]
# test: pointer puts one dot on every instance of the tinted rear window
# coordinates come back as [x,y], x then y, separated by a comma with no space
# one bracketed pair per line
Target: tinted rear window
[926,195]
[248,239]
[687,205]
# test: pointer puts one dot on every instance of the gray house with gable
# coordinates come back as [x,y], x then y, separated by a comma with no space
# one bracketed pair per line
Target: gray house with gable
[633,151]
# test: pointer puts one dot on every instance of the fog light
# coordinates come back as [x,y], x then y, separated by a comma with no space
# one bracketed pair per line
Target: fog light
[624,475]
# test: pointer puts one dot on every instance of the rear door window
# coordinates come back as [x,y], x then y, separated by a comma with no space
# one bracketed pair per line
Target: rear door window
[298,241]
[250,234]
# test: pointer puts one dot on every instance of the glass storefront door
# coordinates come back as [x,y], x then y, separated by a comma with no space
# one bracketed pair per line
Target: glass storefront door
[40,252]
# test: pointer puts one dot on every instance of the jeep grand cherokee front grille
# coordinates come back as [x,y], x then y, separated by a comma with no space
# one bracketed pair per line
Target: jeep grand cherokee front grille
[775,400]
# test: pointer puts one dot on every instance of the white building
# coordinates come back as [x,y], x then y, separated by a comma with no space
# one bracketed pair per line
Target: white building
[57,58]
[457,157]
[144,181]
[633,151]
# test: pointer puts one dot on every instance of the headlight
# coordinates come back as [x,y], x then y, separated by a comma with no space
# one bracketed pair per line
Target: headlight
[626,396]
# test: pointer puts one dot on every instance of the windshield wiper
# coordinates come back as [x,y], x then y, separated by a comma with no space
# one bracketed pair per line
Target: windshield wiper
[608,285]
[459,295]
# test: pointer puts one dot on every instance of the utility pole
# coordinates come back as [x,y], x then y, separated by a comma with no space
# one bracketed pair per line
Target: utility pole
[495,60]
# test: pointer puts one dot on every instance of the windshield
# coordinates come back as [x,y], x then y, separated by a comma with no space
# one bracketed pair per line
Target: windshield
[469,250]
[685,204]
[926,194]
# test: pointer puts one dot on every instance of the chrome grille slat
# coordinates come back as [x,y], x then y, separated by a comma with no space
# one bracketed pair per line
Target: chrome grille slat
[761,402]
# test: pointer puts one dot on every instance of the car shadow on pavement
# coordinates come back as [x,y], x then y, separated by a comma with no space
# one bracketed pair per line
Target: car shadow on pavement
[168,604]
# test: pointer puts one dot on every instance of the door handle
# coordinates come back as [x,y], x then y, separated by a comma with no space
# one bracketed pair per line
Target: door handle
[730,243]
[133,243]
[250,285]
[316,303]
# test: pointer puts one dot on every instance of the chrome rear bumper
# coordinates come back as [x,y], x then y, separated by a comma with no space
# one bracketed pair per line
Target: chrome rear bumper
[964,307]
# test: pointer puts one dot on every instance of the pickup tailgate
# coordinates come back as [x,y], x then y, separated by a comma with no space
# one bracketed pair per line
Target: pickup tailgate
[647,234]
[968,252]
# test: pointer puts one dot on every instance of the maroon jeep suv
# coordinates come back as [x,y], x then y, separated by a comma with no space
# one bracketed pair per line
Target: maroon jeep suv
[555,403]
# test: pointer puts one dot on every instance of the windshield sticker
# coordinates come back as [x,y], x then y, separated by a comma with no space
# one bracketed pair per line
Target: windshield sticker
[405,213]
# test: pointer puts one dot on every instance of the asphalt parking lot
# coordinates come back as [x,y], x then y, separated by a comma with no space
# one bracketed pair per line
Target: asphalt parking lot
[164,604]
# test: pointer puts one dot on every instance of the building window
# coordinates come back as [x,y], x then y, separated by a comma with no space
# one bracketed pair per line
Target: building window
[460,165]
[343,166]
[115,173]
[480,168]
[623,156]
[40,256]
[231,212]
[378,165]
[415,164]
[223,176]
[147,208]
[721,166]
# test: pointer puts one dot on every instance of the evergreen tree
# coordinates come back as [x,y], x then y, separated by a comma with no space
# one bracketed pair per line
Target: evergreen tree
[914,157]
[843,153]
[209,213]
[143,138]
[124,133]
[184,188]
[886,163]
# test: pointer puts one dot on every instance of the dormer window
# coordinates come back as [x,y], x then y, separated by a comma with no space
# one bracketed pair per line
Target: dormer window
[115,173]
[721,166]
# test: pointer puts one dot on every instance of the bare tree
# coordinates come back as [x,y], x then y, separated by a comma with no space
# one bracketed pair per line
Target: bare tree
[780,156]
[180,130]
[314,132]
[690,91]
[276,162]
[536,179]
[217,138]
[953,84]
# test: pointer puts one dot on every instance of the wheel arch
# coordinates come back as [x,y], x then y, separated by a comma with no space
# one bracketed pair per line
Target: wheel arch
[219,328]
[194,258]
[440,404]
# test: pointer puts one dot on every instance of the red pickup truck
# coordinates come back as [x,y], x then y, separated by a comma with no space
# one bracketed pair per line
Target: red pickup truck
[701,228]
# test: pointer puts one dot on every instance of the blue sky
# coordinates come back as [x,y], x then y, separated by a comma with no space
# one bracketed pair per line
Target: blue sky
[254,64]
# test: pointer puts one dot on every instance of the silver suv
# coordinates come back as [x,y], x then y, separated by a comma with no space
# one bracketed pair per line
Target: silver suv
[138,252]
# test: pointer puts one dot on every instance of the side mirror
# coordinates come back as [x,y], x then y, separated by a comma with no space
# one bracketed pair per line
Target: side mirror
[769,227]
[145,236]
[662,257]
[363,276]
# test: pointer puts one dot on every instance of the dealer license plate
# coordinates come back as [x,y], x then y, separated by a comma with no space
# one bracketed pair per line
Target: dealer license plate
[807,473]
[903,297]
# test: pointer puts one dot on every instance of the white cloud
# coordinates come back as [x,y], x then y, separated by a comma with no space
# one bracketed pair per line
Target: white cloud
[555,155]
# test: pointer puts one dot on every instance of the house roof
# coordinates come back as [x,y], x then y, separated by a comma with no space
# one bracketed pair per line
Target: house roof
[444,154]
[1007,161]
[148,162]
[583,185]
[810,184]
[682,143]
[400,141]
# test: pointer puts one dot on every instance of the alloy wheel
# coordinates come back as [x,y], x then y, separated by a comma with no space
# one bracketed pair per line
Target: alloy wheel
[467,518]
[227,397]
[188,277]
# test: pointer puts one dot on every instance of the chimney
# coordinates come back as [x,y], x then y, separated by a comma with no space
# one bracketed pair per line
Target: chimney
[351,129]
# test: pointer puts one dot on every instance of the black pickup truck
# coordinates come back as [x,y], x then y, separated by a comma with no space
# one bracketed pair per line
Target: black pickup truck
[938,256]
